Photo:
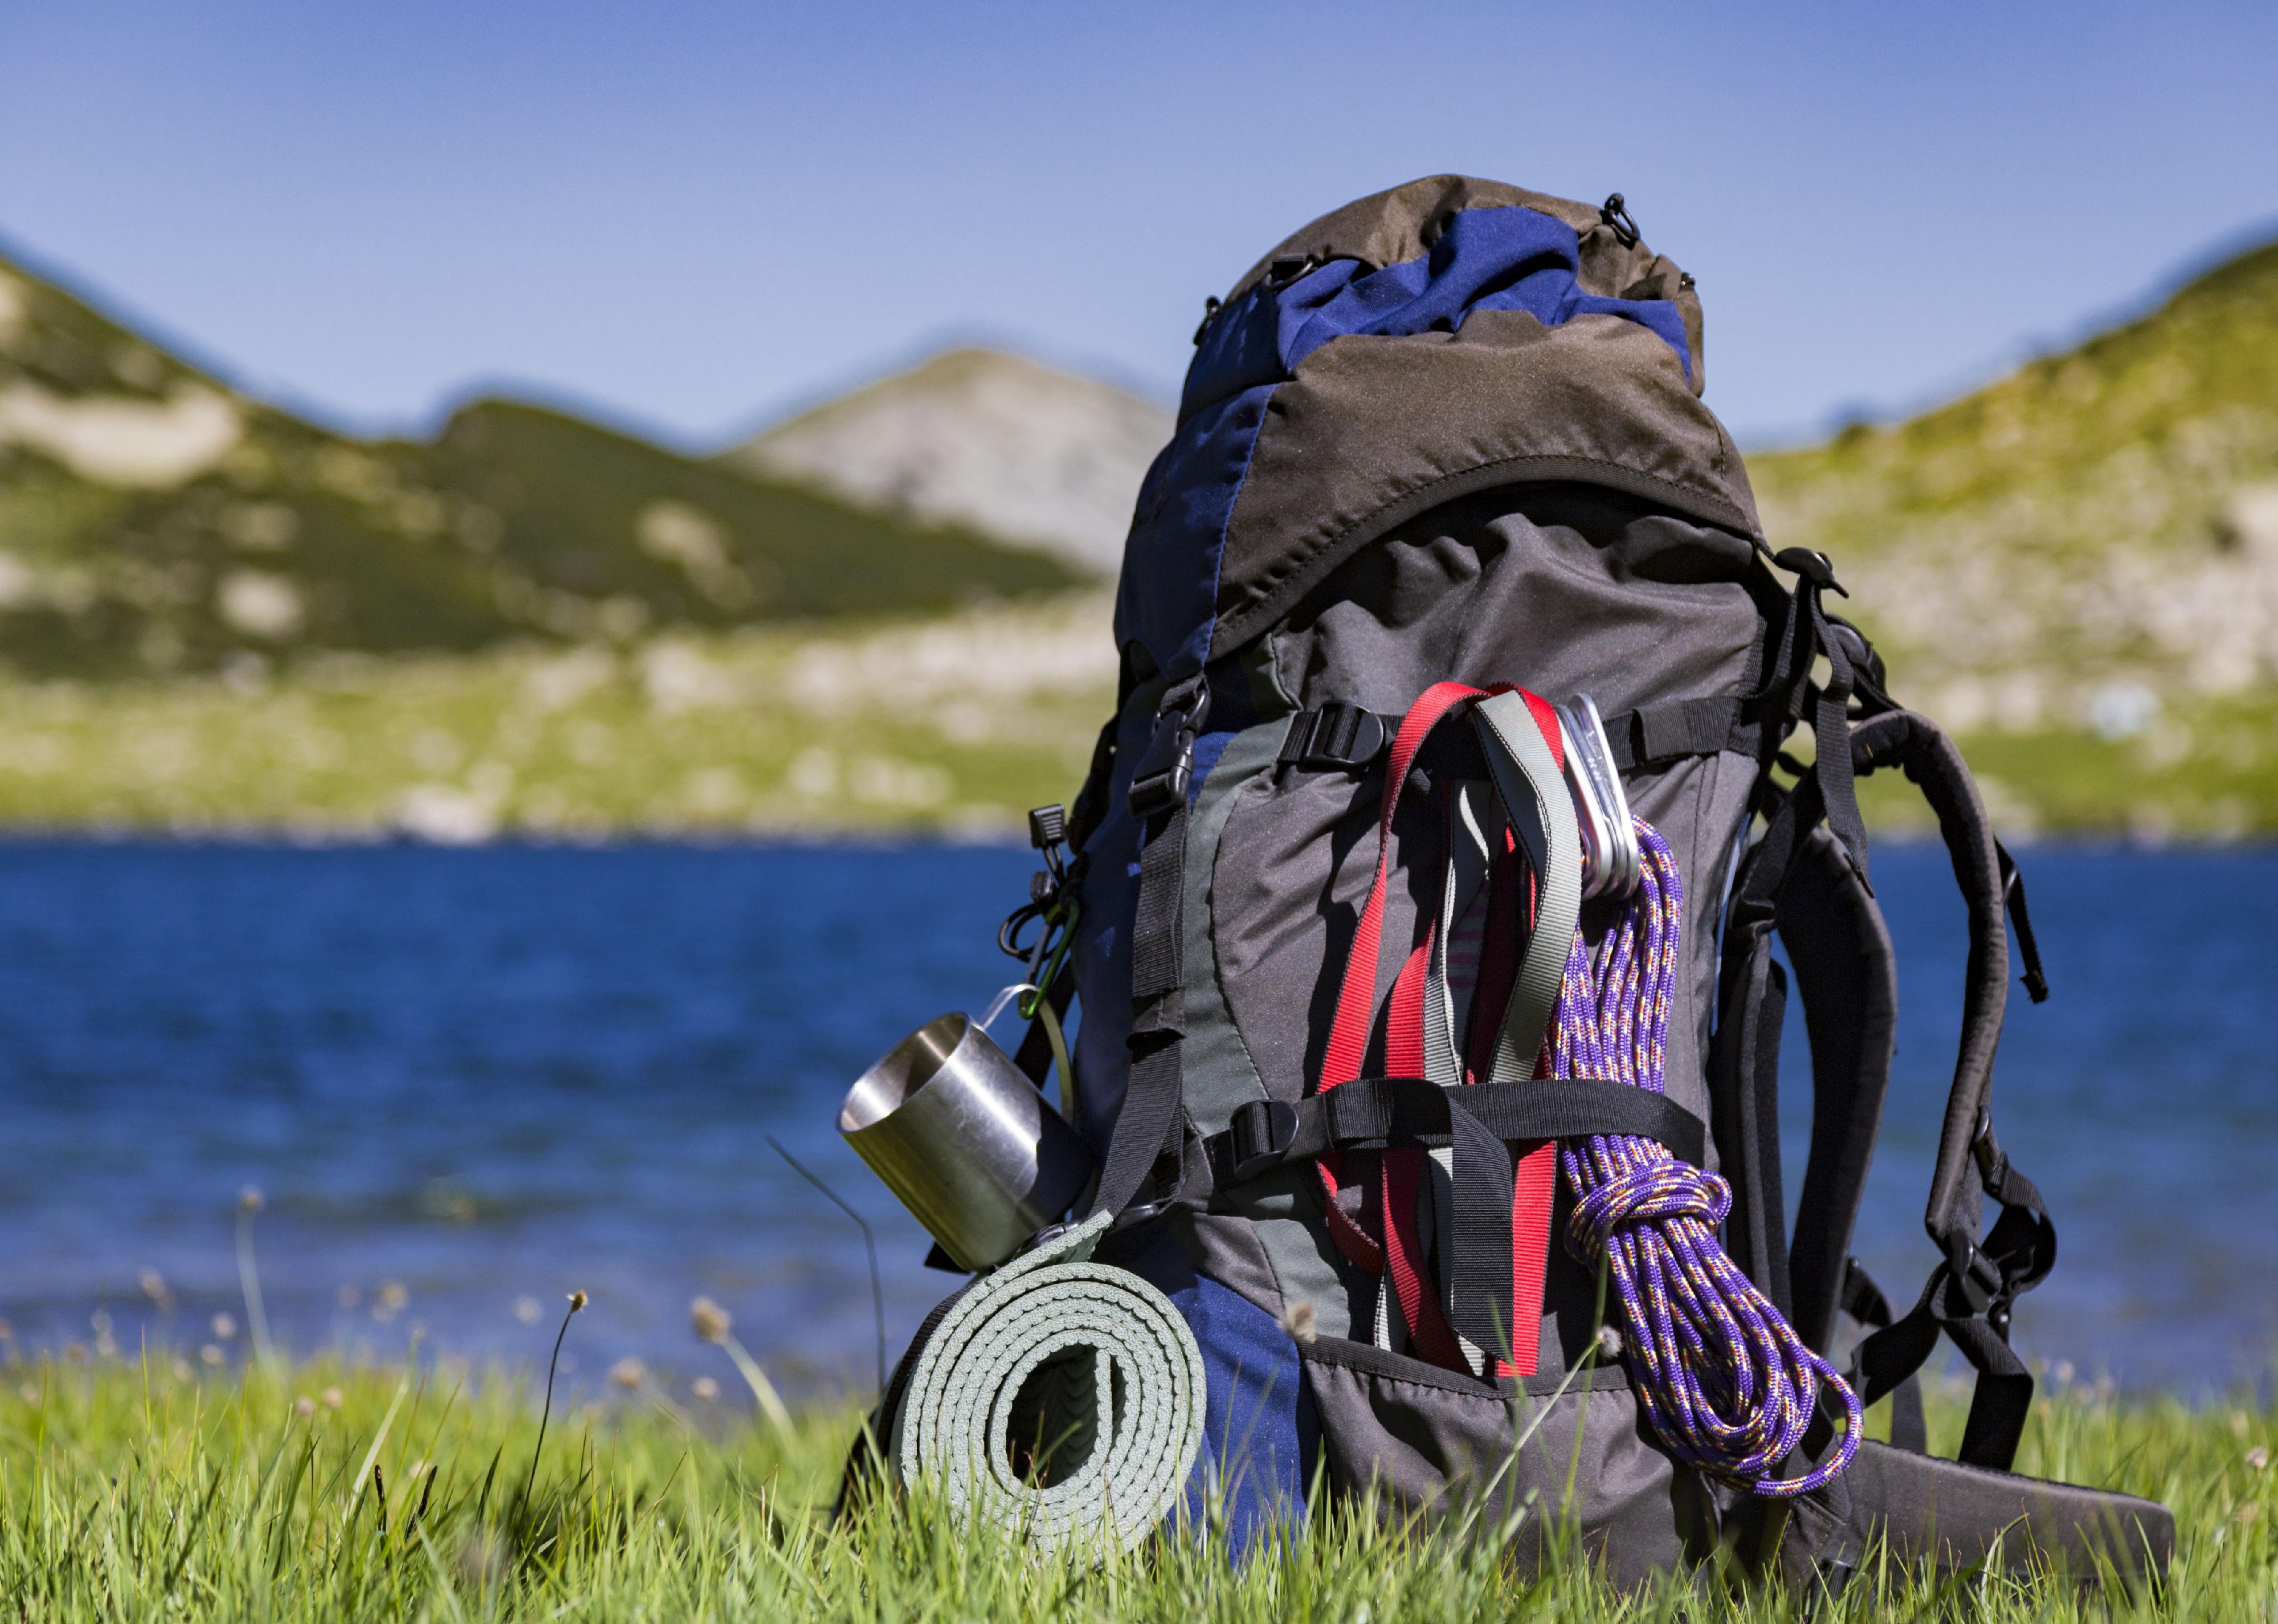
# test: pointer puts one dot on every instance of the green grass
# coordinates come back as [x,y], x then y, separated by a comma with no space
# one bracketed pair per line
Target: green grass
[955,725]
[142,1491]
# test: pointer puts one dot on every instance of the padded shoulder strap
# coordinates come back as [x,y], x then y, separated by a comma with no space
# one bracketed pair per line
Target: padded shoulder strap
[1970,1295]
[1847,976]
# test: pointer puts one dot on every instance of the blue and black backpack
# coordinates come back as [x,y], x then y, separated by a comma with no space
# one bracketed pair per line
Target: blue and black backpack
[1473,746]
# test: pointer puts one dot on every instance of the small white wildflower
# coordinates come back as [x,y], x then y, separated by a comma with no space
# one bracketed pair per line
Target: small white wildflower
[710,1321]
[1303,1324]
[1609,1341]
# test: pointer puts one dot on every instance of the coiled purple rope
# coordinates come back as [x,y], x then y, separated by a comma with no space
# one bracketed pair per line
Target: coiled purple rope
[1722,1376]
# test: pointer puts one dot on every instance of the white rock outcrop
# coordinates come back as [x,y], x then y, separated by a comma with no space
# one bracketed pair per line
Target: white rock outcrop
[993,441]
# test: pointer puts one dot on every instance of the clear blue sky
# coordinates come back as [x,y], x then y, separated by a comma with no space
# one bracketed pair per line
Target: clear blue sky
[694,215]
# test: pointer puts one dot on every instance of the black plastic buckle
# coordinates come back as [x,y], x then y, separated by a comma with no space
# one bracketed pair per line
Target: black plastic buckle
[1869,675]
[1336,735]
[1813,565]
[1992,1162]
[1159,782]
[1256,1137]
[1977,1277]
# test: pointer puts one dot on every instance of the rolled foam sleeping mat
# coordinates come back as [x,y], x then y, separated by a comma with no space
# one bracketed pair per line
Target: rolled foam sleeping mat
[1088,1361]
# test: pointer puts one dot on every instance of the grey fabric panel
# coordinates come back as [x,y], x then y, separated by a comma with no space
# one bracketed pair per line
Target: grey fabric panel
[1427,1440]
[1559,588]
[1941,1511]
[1284,1213]
[1294,864]
[1287,1251]
[1697,805]
[1216,1072]
[1371,430]
[1404,222]
[1294,871]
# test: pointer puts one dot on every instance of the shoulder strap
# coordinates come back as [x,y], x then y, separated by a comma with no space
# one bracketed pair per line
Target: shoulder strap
[1970,1293]
[1847,976]
[1148,1126]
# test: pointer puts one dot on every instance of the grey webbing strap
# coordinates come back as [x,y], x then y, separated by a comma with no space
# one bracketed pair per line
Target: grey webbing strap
[1468,869]
[1534,798]
[1466,877]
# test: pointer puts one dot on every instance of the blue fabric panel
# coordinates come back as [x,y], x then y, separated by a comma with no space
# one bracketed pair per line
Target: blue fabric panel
[1259,1432]
[1488,259]
[1247,343]
[1208,749]
[1101,958]
[1168,600]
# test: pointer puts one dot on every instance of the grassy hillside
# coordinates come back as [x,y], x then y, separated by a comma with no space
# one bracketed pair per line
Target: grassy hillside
[155,522]
[956,724]
[2077,567]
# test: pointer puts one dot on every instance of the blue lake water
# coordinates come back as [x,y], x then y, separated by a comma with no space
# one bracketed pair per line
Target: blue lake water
[496,1075]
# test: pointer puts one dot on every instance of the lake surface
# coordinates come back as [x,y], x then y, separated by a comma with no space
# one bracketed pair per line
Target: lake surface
[469,1082]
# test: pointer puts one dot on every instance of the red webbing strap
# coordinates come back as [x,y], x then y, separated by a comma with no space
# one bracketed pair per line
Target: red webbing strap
[1348,1046]
[1403,1174]
[1536,1177]
[1395,1180]
[1356,996]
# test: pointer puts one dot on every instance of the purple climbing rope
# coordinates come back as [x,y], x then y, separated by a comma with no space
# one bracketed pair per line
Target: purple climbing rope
[1722,1376]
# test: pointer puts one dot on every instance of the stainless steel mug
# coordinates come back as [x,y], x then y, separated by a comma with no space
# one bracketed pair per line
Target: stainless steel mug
[959,1132]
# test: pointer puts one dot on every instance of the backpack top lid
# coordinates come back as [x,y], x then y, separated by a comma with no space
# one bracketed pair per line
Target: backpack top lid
[1439,339]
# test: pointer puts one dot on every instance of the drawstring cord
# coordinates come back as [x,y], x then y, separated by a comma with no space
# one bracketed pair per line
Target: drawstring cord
[1722,1378]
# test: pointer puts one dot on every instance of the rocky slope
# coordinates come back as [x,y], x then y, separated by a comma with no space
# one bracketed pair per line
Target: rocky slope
[983,439]
[153,521]
[2082,542]
[2078,565]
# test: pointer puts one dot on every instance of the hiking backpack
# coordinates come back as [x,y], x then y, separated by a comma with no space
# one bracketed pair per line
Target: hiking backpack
[1466,1194]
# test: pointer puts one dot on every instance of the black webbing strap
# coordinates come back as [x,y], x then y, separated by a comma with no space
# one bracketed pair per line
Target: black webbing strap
[1847,974]
[1675,729]
[1350,738]
[1383,1112]
[1811,633]
[1149,1123]
[1035,1055]
[2003,1396]
[1744,1111]
[2021,921]
[1863,1300]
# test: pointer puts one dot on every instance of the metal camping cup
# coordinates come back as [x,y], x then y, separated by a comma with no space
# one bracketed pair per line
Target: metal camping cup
[959,1132]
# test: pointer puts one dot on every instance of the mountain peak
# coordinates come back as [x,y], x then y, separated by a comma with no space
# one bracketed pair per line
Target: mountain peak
[983,439]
